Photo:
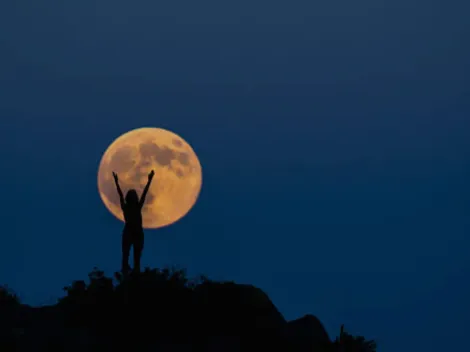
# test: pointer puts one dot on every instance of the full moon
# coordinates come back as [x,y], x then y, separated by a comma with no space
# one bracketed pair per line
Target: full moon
[175,186]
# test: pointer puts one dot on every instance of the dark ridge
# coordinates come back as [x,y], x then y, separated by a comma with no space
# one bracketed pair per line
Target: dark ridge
[161,310]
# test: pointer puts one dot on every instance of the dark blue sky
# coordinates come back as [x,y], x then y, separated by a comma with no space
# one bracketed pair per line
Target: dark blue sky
[333,135]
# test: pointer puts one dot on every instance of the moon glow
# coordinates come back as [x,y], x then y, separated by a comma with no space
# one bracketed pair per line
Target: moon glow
[178,174]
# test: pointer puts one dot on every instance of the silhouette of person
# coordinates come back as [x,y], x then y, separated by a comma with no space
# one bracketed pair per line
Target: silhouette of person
[133,233]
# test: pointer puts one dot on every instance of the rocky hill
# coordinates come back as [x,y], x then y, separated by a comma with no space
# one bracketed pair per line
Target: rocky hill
[158,310]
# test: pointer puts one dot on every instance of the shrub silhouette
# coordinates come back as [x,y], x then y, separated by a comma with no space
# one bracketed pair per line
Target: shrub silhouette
[158,304]
[160,308]
[348,343]
[8,297]
[9,303]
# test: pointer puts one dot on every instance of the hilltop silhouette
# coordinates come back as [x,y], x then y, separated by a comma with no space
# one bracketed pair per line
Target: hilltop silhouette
[162,310]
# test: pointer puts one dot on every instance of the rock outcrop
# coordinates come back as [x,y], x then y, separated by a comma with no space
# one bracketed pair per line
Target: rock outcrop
[158,311]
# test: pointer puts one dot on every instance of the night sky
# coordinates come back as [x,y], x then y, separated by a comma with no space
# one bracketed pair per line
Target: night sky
[333,135]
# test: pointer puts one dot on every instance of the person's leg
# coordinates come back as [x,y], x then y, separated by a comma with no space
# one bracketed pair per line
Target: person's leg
[126,249]
[138,247]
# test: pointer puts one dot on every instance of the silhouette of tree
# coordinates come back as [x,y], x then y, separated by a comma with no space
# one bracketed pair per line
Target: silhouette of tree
[348,343]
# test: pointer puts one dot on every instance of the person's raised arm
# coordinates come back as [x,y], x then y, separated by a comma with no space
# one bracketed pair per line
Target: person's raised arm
[146,189]
[121,196]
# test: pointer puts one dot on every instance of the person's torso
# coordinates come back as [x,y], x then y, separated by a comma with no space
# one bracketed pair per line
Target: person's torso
[132,217]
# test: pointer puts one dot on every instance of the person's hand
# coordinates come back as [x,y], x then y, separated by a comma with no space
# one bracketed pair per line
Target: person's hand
[151,174]
[115,177]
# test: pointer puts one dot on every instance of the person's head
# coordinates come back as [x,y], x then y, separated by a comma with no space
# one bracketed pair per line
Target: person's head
[131,197]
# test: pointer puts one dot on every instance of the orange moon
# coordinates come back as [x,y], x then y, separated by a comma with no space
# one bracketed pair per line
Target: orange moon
[175,186]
